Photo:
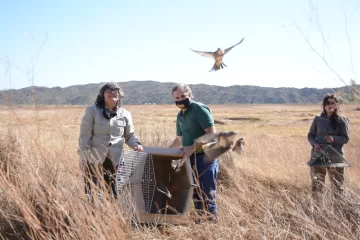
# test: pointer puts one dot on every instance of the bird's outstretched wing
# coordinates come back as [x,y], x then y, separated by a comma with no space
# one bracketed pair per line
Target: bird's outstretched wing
[207,138]
[213,153]
[204,54]
[215,144]
[228,49]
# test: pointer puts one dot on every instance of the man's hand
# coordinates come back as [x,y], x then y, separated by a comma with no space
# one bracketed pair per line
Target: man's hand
[137,147]
[187,151]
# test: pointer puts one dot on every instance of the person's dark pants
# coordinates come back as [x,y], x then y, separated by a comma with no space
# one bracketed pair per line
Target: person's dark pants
[336,176]
[107,171]
[205,177]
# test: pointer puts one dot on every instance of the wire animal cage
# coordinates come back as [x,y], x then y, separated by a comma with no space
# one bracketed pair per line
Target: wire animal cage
[138,179]
[327,157]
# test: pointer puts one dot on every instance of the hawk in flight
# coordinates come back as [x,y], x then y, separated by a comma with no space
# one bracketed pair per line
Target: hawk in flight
[218,56]
[215,144]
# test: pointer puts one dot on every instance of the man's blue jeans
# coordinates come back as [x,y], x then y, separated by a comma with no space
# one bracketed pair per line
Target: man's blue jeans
[205,176]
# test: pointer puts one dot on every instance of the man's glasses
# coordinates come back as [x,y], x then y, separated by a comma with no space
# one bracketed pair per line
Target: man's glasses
[111,90]
[328,103]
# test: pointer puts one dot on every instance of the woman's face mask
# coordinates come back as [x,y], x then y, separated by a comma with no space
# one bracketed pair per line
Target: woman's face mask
[183,103]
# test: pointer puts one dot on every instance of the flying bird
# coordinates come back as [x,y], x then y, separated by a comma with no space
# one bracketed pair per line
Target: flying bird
[218,56]
[239,146]
[216,144]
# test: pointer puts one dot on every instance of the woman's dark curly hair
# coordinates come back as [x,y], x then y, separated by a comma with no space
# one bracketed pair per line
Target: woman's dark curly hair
[335,117]
[100,101]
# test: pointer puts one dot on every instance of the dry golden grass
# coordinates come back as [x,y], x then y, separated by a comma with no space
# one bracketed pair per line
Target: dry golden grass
[261,195]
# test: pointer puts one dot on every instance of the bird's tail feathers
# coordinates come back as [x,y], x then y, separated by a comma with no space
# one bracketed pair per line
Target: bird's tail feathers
[216,68]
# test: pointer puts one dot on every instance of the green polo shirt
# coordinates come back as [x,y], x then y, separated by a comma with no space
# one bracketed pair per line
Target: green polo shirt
[191,123]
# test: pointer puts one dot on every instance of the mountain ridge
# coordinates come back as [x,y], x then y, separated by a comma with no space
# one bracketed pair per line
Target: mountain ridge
[153,92]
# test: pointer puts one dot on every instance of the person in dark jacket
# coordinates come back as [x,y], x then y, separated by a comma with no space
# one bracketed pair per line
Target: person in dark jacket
[328,128]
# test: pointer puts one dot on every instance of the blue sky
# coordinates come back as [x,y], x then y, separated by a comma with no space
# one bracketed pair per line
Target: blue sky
[99,41]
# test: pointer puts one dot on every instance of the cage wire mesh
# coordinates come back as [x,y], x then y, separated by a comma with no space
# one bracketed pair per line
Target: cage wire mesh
[327,156]
[135,181]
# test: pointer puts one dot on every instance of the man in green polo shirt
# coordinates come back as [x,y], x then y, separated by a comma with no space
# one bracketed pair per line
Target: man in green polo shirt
[193,121]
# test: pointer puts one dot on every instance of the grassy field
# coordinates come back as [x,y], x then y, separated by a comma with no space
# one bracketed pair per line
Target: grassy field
[263,194]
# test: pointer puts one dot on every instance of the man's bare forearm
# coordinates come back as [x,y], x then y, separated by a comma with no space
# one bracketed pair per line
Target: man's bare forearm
[176,143]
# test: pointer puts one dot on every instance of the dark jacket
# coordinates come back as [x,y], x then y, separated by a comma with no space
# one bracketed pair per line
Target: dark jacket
[321,127]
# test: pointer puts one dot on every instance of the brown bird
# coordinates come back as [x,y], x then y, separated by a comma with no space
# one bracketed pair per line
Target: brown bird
[216,144]
[218,56]
[239,146]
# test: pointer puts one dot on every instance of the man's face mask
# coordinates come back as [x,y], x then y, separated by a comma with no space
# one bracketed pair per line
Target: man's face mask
[183,103]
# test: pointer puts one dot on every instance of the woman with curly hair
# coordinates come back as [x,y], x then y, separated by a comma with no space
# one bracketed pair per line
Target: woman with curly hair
[104,129]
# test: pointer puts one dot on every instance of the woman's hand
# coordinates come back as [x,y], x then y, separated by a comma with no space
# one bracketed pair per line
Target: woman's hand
[329,139]
[137,147]
[317,147]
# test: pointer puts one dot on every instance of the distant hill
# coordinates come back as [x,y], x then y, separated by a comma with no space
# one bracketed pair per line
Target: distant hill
[145,92]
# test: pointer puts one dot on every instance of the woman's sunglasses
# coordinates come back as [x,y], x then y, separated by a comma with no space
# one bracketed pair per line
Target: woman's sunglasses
[111,90]
[329,102]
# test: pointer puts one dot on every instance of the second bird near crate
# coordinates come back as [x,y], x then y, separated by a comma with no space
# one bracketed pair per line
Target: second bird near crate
[157,185]
[216,144]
